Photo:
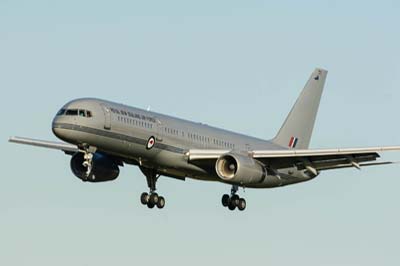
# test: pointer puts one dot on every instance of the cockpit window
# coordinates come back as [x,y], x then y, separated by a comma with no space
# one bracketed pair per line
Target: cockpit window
[71,112]
[61,112]
[75,112]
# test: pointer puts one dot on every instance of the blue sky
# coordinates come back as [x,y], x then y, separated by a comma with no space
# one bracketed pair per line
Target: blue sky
[234,64]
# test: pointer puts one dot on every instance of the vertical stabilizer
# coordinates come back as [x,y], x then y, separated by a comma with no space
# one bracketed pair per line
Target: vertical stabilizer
[296,131]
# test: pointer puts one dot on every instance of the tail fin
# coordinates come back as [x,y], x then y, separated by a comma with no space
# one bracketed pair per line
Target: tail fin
[296,131]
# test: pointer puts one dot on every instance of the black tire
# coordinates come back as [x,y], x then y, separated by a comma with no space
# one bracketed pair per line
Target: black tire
[232,205]
[225,200]
[91,178]
[160,202]
[235,200]
[242,204]
[150,205]
[153,198]
[144,198]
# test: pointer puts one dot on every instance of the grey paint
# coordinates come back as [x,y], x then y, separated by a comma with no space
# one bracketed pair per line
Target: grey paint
[127,140]
[188,149]
[300,121]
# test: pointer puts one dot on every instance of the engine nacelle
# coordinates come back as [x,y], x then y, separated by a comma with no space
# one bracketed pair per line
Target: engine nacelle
[104,168]
[240,169]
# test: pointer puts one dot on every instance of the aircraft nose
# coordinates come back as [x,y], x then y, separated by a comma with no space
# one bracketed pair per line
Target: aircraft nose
[61,132]
[58,129]
[57,132]
[55,128]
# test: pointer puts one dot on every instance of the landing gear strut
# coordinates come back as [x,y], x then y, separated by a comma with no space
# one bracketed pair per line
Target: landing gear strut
[232,201]
[151,199]
[88,161]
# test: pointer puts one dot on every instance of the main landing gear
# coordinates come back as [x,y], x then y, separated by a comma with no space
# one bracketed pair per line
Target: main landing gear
[232,201]
[151,199]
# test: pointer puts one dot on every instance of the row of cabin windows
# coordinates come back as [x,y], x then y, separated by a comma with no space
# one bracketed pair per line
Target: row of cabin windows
[176,132]
[209,140]
[200,138]
[224,144]
[75,112]
[134,122]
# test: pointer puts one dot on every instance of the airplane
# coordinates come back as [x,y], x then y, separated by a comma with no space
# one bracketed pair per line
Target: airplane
[102,136]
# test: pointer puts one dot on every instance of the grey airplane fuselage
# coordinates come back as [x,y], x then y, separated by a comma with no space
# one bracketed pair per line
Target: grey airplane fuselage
[125,132]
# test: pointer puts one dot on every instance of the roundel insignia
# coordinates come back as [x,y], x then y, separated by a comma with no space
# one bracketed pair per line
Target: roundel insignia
[150,143]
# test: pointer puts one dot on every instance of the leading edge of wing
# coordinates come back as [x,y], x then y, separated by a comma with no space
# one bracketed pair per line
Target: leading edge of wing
[45,144]
[320,152]
[203,154]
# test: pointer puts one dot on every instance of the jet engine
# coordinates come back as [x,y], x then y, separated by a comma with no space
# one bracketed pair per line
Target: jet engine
[240,169]
[104,168]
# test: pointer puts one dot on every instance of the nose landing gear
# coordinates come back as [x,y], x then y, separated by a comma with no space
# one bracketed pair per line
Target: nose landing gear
[233,201]
[151,199]
[88,162]
[88,153]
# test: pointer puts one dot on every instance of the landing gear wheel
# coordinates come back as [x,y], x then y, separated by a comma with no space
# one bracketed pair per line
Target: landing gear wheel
[232,205]
[242,204]
[160,202]
[153,198]
[144,198]
[235,199]
[225,200]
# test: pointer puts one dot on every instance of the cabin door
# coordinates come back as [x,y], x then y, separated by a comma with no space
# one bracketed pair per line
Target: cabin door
[160,130]
[107,117]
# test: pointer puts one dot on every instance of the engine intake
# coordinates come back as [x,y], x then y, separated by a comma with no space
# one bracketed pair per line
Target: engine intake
[104,168]
[240,169]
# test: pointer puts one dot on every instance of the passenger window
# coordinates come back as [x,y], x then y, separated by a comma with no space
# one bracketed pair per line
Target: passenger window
[88,114]
[71,112]
[82,113]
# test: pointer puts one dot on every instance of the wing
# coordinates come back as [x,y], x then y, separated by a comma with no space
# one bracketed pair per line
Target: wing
[313,160]
[65,147]
[324,159]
